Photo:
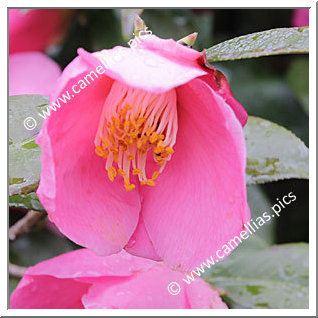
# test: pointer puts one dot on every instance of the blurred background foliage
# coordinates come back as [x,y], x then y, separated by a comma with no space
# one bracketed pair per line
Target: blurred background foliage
[274,88]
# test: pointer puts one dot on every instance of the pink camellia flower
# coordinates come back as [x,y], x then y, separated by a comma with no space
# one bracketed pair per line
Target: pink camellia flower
[300,17]
[149,156]
[81,279]
[32,73]
[33,29]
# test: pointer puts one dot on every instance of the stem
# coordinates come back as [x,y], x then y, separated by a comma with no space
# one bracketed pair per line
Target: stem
[16,270]
[25,224]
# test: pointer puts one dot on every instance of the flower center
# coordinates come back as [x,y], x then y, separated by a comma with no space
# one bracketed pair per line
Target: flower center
[134,122]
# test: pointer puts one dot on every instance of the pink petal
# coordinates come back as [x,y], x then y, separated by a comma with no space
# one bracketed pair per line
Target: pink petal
[74,187]
[149,66]
[199,201]
[300,17]
[84,263]
[32,73]
[82,279]
[147,290]
[140,243]
[33,30]
[219,84]
[46,292]
[201,295]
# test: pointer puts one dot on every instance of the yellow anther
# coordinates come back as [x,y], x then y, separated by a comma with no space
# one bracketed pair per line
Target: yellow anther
[155,175]
[136,171]
[105,142]
[112,173]
[151,183]
[157,150]
[99,151]
[112,139]
[160,144]
[131,157]
[140,120]
[169,150]
[129,187]
[139,143]
[126,126]
[153,137]
[121,172]
[129,134]
[113,149]
[160,162]
[133,134]
[113,129]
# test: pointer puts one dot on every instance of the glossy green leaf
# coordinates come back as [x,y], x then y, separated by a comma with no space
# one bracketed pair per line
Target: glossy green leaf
[270,42]
[28,201]
[259,202]
[273,153]
[274,277]
[298,81]
[24,153]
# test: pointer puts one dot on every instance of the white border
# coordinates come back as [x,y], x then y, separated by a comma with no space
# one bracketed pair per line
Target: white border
[312,164]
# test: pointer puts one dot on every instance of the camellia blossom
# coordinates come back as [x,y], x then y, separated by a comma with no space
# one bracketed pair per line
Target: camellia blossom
[34,29]
[81,279]
[32,73]
[149,157]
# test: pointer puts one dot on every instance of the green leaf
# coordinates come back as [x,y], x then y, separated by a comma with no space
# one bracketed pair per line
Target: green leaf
[273,153]
[259,202]
[298,81]
[273,277]
[24,153]
[270,42]
[28,201]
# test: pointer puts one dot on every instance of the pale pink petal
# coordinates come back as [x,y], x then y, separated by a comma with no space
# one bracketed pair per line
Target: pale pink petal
[33,30]
[147,67]
[46,292]
[32,73]
[82,279]
[84,263]
[140,243]
[74,186]
[147,290]
[199,201]
[201,295]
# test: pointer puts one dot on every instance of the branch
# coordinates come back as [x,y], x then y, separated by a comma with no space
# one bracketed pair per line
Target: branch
[25,224]
[16,270]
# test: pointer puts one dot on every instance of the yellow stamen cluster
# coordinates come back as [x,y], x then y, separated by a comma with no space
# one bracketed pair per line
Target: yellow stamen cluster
[128,137]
